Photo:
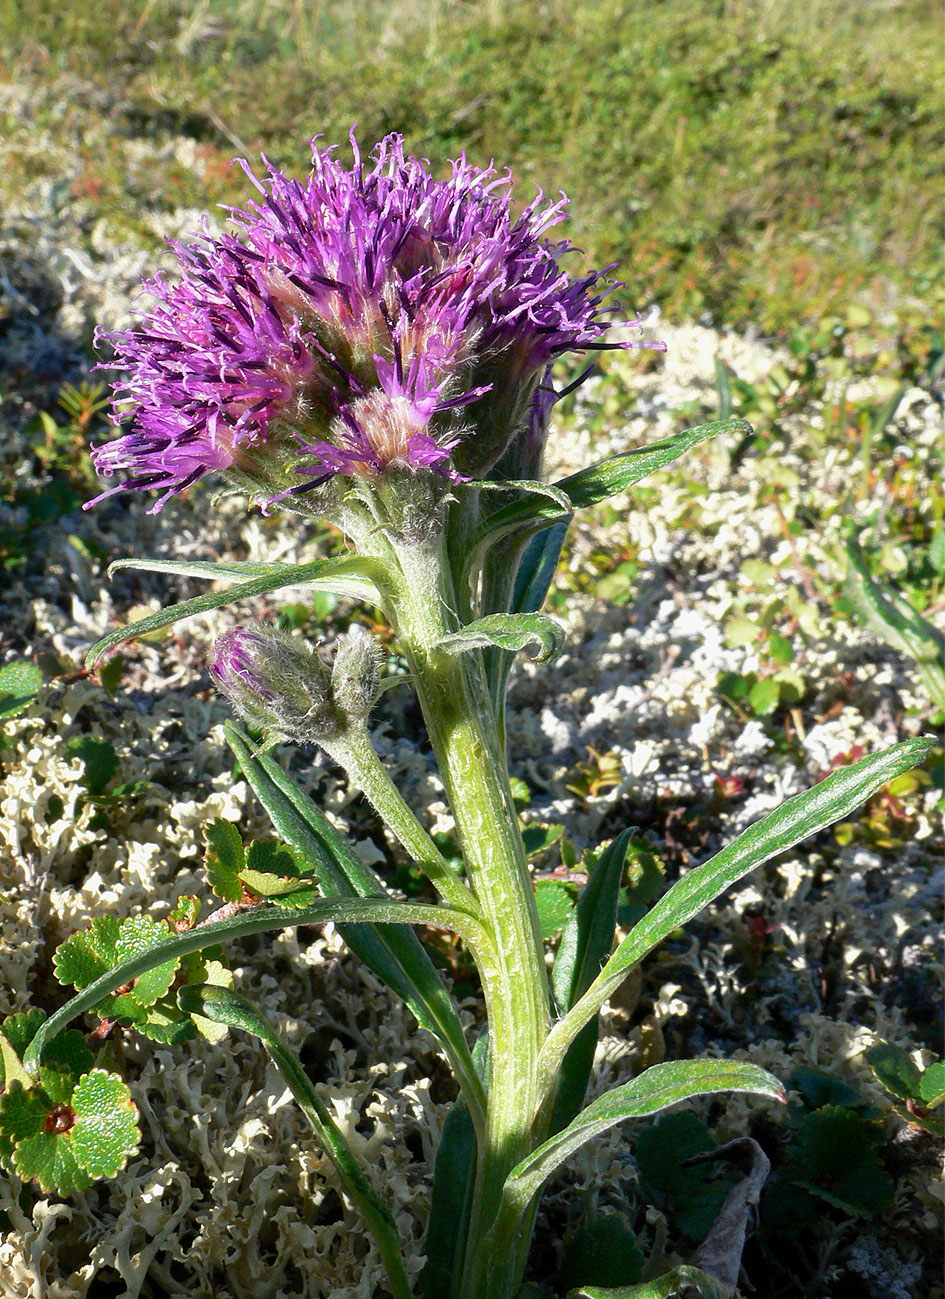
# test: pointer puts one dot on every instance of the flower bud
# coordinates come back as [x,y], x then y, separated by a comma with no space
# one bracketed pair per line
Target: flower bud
[276,682]
[356,674]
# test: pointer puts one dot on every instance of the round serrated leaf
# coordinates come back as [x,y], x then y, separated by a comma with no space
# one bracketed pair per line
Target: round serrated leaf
[22,1112]
[932,1084]
[51,1160]
[135,935]
[554,902]
[106,1127]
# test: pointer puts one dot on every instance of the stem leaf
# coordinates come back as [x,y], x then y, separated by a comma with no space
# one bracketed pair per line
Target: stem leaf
[226,1007]
[507,631]
[654,1090]
[583,950]
[353,575]
[396,956]
[833,799]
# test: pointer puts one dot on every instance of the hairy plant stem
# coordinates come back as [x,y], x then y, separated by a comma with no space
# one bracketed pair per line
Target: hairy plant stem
[461,723]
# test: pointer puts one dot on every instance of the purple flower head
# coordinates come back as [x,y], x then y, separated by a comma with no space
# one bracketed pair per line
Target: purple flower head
[362,319]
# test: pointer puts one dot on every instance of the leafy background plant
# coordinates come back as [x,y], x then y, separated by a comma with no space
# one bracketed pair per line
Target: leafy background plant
[750,167]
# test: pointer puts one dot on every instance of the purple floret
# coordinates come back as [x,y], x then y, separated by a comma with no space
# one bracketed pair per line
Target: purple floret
[358,320]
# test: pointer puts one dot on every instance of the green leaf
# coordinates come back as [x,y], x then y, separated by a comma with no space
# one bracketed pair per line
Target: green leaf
[224,859]
[555,902]
[611,477]
[835,1160]
[584,947]
[604,1252]
[507,631]
[538,837]
[11,1071]
[68,1132]
[932,1085]
[454,1181]
[654,1090]
[688,1280]
[354,574]
[537,569]
[896,1071]
[19,682]
[228,1008]
[100,759]
[763,697]
[254,920]
[110,943]
[106,1130]
[589,486]
[397,957]
[834,798]
[885,613]
[68,1049]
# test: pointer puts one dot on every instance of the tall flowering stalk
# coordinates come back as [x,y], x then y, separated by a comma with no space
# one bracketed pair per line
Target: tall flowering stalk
[376,346]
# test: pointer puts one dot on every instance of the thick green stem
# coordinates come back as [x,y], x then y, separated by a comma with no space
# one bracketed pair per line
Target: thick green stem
[461,723]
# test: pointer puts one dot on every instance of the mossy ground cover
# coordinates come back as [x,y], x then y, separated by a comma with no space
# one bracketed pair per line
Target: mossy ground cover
[769,170]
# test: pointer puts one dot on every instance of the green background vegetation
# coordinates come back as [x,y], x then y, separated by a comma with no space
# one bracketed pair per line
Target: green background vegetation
[763,162]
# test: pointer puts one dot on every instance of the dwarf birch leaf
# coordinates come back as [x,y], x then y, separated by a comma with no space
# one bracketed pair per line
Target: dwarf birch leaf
[19,682]
[932,1085]
[106,1127]
[555,903]
[895,1069]
[224,859]
[108,943]
[507,631]
[49,1159]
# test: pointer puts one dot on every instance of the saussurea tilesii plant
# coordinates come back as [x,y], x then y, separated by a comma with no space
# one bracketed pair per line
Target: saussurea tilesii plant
[375,347]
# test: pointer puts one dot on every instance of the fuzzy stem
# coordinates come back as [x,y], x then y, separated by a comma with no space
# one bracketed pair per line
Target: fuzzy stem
[461,723]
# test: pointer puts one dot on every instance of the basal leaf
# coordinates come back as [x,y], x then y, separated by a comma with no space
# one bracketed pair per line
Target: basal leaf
[228,1008]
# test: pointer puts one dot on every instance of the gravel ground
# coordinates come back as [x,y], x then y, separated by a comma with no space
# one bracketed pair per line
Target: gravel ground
[211,1206]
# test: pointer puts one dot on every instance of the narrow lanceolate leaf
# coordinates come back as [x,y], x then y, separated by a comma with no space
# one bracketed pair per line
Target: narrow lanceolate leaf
[655,1089]
[601,481]
[454,1181]
[667,1286]
[254,920]
[610,477]
[885,613]
[537,569]
[584,948]
[225,1007]
[396,956]
[507,631]
[233,571]
[805,814]
[353,575]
